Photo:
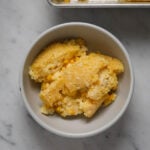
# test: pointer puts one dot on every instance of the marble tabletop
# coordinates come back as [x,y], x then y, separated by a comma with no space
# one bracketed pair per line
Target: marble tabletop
[20,23]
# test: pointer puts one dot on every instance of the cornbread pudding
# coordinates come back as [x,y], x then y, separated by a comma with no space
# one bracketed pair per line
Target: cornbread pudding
[74,82]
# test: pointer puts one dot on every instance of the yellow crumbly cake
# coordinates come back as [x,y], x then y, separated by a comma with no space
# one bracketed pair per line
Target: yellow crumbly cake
[79,83]
[54,57]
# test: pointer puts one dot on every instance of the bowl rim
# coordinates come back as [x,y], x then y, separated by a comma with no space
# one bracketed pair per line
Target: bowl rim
[93,132]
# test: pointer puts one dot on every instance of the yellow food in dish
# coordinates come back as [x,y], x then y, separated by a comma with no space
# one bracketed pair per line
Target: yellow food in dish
[55,57]
[99,1]
[74,82]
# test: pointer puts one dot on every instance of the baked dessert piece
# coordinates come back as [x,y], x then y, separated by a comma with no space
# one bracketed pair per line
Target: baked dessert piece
[54,57]
[80,84]
[82,87]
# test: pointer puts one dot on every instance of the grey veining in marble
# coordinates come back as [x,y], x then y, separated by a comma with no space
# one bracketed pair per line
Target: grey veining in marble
[20,23]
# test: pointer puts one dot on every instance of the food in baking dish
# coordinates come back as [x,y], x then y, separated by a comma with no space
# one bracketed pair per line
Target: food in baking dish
[73,80]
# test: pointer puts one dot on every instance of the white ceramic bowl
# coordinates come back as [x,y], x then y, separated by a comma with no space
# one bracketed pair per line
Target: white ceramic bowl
[97,38]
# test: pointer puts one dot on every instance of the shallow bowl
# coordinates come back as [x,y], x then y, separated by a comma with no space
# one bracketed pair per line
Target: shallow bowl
[97,39]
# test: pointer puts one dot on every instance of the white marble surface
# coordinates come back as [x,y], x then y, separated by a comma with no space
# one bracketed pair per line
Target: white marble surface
[20,23]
